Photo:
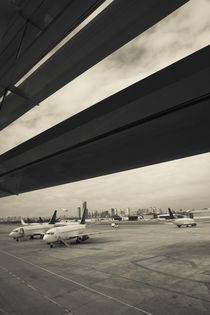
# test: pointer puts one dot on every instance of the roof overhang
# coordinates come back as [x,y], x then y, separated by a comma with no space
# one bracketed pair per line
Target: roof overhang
[119,23]
[161,118]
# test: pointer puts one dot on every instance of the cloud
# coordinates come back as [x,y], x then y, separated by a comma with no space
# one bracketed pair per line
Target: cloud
[178,35]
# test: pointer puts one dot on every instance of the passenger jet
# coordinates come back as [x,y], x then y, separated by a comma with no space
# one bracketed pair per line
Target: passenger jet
[62,234]
[32,230]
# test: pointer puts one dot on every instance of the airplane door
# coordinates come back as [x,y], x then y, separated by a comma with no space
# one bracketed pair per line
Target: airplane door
[22,231]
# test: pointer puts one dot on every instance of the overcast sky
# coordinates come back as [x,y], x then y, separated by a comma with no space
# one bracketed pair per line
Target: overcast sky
[179,184]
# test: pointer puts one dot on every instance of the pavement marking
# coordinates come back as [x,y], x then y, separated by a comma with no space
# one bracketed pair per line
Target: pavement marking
[77,283]
[48,298]
[30,286]
[173,275]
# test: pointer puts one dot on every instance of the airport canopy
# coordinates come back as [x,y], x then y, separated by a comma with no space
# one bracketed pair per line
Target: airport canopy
[30,29]
[160,118]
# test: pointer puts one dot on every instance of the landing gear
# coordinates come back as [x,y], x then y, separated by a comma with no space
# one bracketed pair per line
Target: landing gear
[82,239]
[85,237]
[31,237]
[179,226]
[51,245]
[17,239]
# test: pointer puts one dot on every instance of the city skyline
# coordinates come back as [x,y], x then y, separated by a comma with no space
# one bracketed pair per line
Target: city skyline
[160,185]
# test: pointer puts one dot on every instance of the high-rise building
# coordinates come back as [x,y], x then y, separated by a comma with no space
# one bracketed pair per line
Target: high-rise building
[128,212]
[112,212]
[79,212]
[84,206]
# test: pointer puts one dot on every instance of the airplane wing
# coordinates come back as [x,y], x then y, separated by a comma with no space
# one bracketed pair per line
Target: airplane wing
[87,234]
[99,232]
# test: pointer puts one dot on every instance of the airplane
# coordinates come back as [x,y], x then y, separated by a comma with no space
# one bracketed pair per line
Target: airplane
[32,230]
[184,221]
[62,234]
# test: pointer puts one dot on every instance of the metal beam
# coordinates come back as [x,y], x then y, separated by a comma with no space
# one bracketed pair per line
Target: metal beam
[160,118]
[39,42]
[119,23]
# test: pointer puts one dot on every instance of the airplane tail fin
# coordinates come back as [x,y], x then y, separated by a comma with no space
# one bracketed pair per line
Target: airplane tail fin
[84,213]
[40,220]
[22,221]
[171,214]
[52,221]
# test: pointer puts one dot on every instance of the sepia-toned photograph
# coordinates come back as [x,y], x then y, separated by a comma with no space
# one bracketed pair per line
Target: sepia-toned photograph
[104,157]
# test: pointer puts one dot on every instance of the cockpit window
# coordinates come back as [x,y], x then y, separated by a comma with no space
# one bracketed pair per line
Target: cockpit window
[50,233]
[16,230]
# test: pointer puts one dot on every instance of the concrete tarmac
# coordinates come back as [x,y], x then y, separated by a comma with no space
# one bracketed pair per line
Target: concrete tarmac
[136,269]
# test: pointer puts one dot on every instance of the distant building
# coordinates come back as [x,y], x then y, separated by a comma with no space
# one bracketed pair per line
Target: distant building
[84,206]
[96,214]
[124,218]
[133,218]
[117,217]
[200,214]
[112,212]
[79,212]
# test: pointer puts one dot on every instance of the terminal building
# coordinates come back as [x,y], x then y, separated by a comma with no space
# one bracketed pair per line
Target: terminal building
[200,214]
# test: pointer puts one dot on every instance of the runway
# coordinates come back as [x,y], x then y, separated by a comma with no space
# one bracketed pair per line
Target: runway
[136,269]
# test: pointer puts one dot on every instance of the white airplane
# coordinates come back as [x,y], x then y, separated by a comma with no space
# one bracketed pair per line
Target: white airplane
[32,230]
[68,232]
[182,221]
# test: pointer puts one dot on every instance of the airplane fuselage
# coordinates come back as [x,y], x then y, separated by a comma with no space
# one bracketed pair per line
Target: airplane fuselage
[63,233]
[29,231]
[184,222]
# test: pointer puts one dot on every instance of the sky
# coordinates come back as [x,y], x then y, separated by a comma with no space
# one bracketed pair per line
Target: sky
[178,184]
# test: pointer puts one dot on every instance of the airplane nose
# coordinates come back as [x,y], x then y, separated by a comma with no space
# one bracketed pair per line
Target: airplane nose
[45,238]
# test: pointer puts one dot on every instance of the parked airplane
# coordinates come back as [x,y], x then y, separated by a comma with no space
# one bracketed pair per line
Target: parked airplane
[62,234]
[32,230]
